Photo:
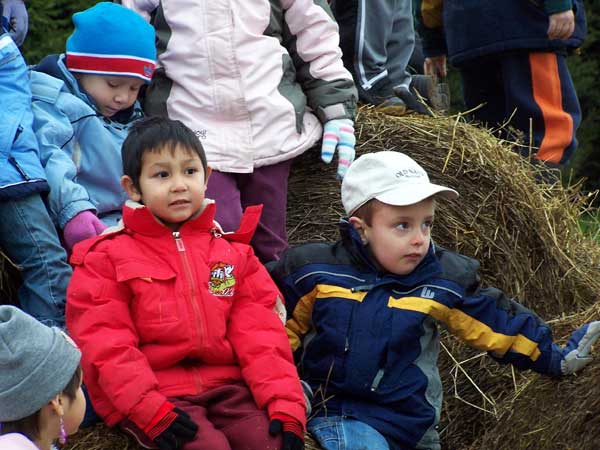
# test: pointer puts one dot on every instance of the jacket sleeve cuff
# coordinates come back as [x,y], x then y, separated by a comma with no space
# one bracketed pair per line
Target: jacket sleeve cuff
[557,6]
[72,209]
[149,409]
[336,111]
[434,43]
[292,409]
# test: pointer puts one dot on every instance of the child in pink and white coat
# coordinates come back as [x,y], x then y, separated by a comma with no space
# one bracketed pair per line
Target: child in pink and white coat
[259,82]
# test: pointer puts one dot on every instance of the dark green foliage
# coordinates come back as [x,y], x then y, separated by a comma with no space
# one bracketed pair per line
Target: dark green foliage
[49,26]
[585,70]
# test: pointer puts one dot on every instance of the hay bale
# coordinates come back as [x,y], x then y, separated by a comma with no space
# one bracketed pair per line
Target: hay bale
[550,414]
[100,437]
[10,280]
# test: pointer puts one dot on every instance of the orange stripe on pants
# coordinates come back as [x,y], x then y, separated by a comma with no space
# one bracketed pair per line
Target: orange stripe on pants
[546,93]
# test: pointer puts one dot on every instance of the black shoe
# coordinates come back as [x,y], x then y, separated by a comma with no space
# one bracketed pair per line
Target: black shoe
[411,101]
[433,90]
[384,100]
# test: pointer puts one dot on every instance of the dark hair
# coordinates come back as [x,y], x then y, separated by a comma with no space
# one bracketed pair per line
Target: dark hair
[366,211]
[154,134]
[30,425]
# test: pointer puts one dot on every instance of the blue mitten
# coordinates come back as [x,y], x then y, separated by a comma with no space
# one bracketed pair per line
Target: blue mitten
[339,133]
[15,19]
[576,354]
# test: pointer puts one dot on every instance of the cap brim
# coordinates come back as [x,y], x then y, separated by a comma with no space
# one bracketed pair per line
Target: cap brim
[409,195]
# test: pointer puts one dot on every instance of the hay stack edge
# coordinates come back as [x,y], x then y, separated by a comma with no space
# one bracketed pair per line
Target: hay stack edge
[529,242]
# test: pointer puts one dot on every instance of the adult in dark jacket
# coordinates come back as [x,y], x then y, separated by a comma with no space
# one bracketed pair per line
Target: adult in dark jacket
[512,59]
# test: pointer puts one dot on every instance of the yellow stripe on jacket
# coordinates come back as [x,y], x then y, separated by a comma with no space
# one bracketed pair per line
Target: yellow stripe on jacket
[301,321]
[469,329]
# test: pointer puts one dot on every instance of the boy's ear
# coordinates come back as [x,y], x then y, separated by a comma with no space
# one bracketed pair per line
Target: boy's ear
[207,174]
[360,226]
[132,192]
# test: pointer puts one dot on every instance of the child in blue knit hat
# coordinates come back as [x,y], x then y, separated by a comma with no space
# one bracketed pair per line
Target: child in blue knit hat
[84,103]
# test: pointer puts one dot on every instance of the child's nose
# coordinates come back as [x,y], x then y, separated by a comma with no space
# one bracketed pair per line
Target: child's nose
[178,184]
[418,237]
[121,96]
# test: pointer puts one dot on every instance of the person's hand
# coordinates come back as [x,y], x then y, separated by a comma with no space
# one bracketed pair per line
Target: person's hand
[339,133]
[436,66]
[15,19]
[84,225]
[173,430]
[576,354]
[562,25]
[290,429]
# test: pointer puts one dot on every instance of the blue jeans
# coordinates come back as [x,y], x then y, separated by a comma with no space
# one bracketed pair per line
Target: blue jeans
[29,239]
[338,433]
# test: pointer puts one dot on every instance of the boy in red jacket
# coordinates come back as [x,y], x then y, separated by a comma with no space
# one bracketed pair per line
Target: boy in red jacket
[175,319]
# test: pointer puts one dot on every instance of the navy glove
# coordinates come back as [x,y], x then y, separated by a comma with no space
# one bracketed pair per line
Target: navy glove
[576,354]
[291,433]
[15,19]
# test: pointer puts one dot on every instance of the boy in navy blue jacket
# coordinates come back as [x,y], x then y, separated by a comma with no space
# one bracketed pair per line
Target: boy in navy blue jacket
[363,314]
[512,59]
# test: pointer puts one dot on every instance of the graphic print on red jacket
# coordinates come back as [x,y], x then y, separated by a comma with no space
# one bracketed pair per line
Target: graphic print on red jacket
[162,314]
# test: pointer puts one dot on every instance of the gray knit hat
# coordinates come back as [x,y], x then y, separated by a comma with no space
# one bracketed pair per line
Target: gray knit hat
[36,363]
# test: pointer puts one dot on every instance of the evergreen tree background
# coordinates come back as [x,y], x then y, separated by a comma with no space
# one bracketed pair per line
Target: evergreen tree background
[50,25]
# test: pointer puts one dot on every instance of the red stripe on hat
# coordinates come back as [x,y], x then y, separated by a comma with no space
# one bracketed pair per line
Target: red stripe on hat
[112,65]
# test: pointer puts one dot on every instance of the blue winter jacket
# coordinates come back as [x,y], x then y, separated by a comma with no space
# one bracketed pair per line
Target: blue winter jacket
[21,172]
[368,340]
[80,149]
[468,29]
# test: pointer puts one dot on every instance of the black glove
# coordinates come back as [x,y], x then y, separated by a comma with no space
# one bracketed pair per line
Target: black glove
[291,441]
[181,430]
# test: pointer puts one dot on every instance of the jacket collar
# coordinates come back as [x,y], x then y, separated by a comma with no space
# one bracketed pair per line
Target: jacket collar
[139,219]
[362,256]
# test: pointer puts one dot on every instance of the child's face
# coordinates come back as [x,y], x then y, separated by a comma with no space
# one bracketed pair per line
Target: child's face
[398,236]
[111,94]
[74,411]
[172,184]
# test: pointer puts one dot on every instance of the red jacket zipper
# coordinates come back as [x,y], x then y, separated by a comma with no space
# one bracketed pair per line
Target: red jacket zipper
[199,328]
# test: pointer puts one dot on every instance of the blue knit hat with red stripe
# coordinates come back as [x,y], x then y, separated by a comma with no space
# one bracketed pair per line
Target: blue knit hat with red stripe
[110,39]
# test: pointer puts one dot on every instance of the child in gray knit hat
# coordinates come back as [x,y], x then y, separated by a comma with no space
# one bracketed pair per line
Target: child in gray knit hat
[41,400]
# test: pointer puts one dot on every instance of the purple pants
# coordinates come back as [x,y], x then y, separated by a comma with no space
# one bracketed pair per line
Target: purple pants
[228,419]
[268,185]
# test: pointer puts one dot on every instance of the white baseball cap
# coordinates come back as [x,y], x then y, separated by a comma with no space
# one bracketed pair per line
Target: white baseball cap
[392,178]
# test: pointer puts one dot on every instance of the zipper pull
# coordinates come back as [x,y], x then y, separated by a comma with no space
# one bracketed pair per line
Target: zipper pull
[178,241]
[346,345]
[377,379]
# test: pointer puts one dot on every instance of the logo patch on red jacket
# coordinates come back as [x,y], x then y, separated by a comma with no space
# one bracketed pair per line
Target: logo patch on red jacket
[222,280]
